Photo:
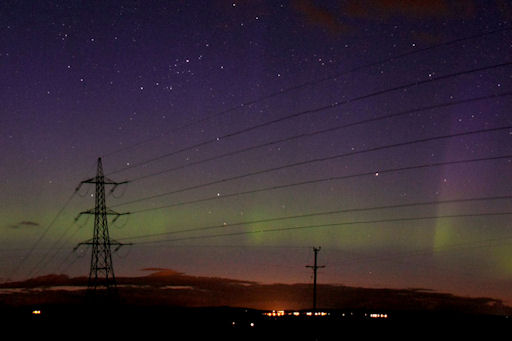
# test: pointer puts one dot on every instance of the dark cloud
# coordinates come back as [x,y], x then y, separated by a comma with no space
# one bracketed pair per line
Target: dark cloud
[24,223]
[412,9]
[320,16]
[504,8]
[344,16]
[161,272]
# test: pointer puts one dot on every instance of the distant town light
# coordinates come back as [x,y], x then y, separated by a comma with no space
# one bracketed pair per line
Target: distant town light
[282,313]
[377,316]
[275,313]
[36,312]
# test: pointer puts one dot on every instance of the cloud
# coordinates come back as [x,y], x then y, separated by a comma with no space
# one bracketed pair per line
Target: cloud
[505,8]
[23,224]
[320,16]
[346,15]
[155,272]
[411,9]
[343,17]
[154,269]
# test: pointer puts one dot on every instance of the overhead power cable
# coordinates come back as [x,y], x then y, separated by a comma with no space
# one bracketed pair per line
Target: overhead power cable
[314,82]
[322,213]
[316,160]
[313,111]
[332,178]
[314,226]
[323,131]
[41,236]
[37,268]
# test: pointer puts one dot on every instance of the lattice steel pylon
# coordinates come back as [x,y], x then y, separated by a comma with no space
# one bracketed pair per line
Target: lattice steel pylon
[101,273]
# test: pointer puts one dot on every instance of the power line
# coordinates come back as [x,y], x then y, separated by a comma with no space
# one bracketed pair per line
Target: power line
[329,212]
[41,236]
[417,83]
[320,159]
[48,227]
[288,228]
[314,82]
[323,131]
[333,178]
[60,268]
[322,213]
[38,266]
[313,111]
[62,238]
[57,249]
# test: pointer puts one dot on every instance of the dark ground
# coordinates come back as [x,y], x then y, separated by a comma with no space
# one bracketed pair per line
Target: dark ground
[168,305]
[221,323]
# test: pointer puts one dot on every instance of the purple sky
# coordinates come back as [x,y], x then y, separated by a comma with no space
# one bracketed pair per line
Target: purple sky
[136,81]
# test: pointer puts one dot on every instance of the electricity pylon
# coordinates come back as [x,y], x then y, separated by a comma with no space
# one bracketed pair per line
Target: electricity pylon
[315,267]
[101,273]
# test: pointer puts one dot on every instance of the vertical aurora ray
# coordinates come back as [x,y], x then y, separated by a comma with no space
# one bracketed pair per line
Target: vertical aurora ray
[472,245]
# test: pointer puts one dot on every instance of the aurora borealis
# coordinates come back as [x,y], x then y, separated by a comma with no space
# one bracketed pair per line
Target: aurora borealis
[378,130]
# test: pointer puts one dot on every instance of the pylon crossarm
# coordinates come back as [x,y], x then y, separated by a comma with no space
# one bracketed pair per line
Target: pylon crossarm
[112,212]
[88,181]
[119,245]
[87,242]
[110,182]
[108,212]
[117,216]
[104,181]
[78,187]
[78,216]
[89,211]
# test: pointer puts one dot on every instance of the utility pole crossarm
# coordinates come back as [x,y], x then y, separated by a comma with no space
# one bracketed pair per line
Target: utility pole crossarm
[315,267]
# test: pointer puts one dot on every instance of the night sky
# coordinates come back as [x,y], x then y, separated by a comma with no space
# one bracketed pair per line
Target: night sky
[381,130]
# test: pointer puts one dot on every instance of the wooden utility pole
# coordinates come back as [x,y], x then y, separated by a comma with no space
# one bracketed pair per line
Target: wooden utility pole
[315,267]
